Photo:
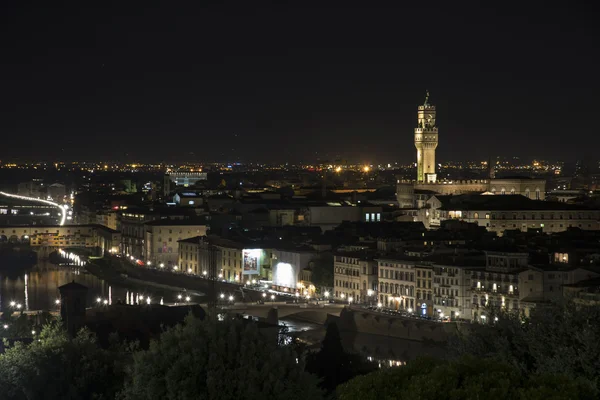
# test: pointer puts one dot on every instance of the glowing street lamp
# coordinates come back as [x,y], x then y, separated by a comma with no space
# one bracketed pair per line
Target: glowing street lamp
[57,301]
[105,302]
[379,305]
[264,295]
[13,303]
[222,296]
[272,297]
[204,273]
[343,296]
[326,294]
[189,270]
[162,265]
[149,263]
[187,299]
[179,297]
[19,306]
[98,300]
[231,298]
[350,299]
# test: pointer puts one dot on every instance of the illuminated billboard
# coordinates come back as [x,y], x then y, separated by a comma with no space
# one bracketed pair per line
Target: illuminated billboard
[251,261]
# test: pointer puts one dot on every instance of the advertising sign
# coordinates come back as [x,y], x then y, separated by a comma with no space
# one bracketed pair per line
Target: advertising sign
[251,264]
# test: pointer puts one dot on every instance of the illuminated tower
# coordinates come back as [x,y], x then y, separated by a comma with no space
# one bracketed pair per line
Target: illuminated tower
[426,141]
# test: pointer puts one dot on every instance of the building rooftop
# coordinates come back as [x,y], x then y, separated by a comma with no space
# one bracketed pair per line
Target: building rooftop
[503,203]
[176,222]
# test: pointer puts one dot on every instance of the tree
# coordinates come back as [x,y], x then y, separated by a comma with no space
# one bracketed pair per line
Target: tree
[56,367]
[332,364]
[218,361]
[557,338]
[322,270]
[464,378]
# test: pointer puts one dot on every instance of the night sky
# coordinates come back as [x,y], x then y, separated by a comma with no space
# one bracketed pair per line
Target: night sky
[294,83]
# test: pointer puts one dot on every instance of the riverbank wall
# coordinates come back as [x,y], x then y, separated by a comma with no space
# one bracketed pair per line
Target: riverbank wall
[365,321]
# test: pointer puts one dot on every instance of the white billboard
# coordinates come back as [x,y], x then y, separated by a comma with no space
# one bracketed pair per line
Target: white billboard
[251,261]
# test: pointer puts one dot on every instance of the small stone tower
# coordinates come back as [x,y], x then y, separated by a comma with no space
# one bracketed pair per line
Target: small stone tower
[72,306]
[426,141]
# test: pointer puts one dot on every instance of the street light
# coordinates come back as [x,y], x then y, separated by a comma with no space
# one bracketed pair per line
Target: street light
[189,270]
[204,273]
[379,305]
[19,306]
[105,302]
[179,297]
[12,303]
[410,310]
[149,263]
[350,299]
[33,332]
[57,301]
[222,296]
[5,326]
[326,294]
[187,299]
[264,295]
[148,300]
[343,296]
[162,265]
[98,300]
[231,298]
[272,297]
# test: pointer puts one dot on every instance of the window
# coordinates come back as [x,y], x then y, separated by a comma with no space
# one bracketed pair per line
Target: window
[537,194]
[476,215]
[367,217]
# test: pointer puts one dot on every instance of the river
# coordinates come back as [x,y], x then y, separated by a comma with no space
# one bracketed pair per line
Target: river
[36,287]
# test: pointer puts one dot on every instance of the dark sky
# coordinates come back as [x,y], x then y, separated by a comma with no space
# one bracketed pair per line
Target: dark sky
[180,81]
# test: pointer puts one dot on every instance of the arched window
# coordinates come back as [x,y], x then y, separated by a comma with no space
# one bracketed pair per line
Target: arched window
[527,193]
[537,193]
[512,191]
[503,191]
[476,215]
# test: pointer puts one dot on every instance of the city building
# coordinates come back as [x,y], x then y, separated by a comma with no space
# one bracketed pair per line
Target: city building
[173,179]
[162,238]
[355,277]
[287,265]
[397,280]
[501,213]
[499,283]
[424,291]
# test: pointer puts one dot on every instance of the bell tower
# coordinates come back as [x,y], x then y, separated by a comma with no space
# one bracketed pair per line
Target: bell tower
[426,141]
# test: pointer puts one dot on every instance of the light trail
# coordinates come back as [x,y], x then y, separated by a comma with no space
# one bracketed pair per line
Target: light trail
[63,210]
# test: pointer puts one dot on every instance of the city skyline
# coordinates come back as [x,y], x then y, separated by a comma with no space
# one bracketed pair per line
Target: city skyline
[249,84]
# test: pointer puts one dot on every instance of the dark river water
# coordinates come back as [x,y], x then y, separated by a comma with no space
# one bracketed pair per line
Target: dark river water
[36,288]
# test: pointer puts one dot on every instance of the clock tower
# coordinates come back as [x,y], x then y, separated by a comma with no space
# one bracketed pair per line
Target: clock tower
[426,141]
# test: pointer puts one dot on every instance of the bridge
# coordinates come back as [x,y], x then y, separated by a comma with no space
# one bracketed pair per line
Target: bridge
[62,208]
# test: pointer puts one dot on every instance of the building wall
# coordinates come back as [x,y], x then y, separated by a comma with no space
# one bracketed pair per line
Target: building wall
[161,242]
[188,259]
[287,265]
[231,263]
[455,187]
[531,188]
[396,283]
[452,291]
[424,289]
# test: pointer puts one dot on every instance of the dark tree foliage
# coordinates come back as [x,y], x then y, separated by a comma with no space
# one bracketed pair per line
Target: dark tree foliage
[332,364]
[55,367]
[557,338]
[465,378]
[218,361]
[322,270]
